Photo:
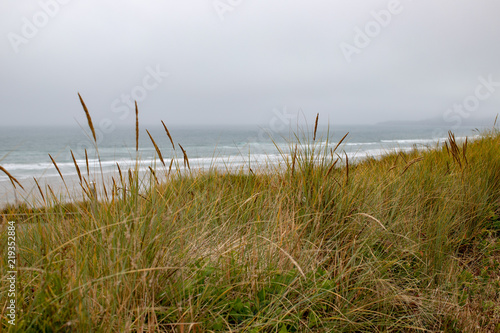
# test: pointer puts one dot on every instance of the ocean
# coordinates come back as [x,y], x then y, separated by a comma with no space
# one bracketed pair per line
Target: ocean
[24,152]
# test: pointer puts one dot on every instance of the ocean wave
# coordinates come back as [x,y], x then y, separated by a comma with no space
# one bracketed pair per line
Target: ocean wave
[414,141]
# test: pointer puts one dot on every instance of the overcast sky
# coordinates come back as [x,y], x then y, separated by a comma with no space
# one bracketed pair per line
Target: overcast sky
[235,61]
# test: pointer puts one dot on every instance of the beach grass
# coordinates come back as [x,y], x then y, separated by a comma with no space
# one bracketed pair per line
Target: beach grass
[409,242]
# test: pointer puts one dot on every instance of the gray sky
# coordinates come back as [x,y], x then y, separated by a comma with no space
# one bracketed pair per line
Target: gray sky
[235,61]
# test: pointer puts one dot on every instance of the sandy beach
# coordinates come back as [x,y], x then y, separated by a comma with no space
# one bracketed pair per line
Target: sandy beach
[31,193]
[70,190]
[67,191]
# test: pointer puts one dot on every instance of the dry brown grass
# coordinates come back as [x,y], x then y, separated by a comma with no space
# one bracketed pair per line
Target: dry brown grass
[169,136]
[315,127]
[158,151]
[12,178]
[136,127]
[186,160]
[77,168]
[89,119]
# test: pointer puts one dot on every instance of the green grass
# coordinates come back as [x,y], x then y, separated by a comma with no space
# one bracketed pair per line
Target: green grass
[407,243]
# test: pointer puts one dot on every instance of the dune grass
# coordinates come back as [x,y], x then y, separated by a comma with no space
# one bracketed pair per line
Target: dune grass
[406,243]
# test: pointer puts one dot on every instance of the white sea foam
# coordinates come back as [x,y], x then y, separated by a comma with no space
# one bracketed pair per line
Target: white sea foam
[205,149]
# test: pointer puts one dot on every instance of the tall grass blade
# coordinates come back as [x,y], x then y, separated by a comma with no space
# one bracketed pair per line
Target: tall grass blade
[76,167]
[156,148]
[186,160]
[170,166]
[331,168]
[54,197]
[120,173]
[340,142]
[57,168]
[464,151]
[89,119]
[87,163]
[168,133]
[315,127]
[294,262]
[418,159]
[40,190]
[154,175]
[136,127]
[12,178]
[346,169]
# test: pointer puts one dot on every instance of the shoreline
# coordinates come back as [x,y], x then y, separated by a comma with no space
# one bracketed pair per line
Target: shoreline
[74,193]
[70,190]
